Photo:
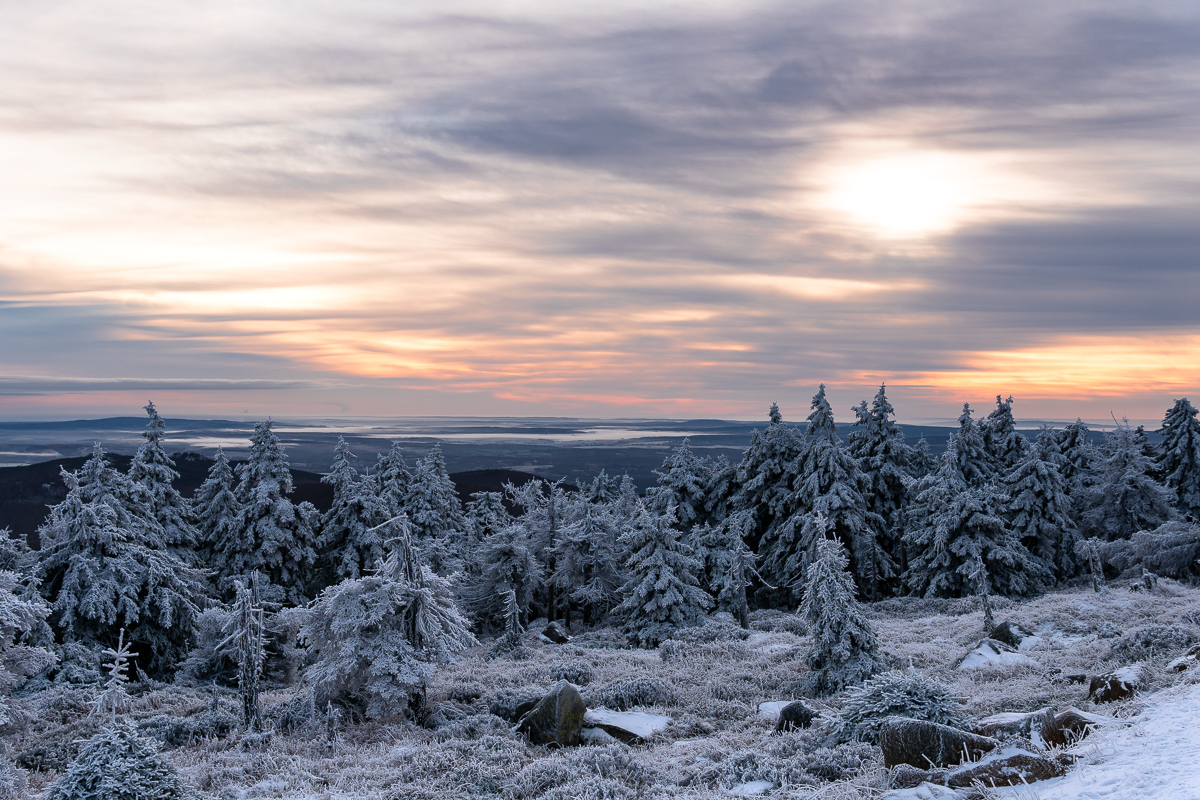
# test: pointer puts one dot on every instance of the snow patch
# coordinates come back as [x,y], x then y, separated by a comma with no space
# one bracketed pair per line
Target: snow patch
[751,788]
[772,708]
[991,655]
[638,723]
[597,736]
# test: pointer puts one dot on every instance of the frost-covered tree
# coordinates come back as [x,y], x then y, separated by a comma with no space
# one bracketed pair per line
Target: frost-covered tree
[104,566]
[486,515]
[349,539]
[1078,452]
[246,634]
[827,483]
[216,509]
[1038,507]
[625,505]
[1179,461]
[950,525]
[376,639]
[392,479]
[1171,550]
[602,490]
[114,698]
[546,511]
[273,536]
[435,513]
[155,471]
[118,763]
[877,443]
[587,562]
[734,575]
[683,485]
[973,461]
[845,650]
[1125,498]
[897,694]
[921,460]
[506,563]
[662,593]
[1004,445]
[20,614]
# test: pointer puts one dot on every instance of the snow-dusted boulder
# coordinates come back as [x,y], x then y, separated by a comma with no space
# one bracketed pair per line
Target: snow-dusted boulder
[1010,765]
[772,708]
[1189,660]
[1038,727]
[1117,685]
[1011,633]
[631,727]
[992,654]
[556,720]
[794,716]
[555,634]
[1075,724]
[920,743]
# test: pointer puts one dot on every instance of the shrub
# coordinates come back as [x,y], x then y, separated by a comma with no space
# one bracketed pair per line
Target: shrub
[629,692]
[117,764]
[897,694]
[1152,640]
[577,672]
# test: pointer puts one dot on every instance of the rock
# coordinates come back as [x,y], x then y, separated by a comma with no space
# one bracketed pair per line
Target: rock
[772,708]
[794,716]
[597,736]
[1188,660]
[631,727]
[1010,765]
[925,744]
[1010,633]
[1116,685]
[993,654]
[1037,726]
[555,633]
[906,776]
[1076,678]
[512,704]
[557,718]
[1075,724]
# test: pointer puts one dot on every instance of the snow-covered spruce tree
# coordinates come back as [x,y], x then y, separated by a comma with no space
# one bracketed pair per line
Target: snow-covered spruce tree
[114,698]
[662,594]
[1004,445]
[1179,461]
[877,443]
[762,498]
[1171,550]
[897,694]
[486,515]
[950,524]
[506,562]
[587,564]
[625,505]
[376,639]
[349,540]
[20,614]
[119,764]
[682,485]
[921,459]
[973,461]
[1038,508]
[155,471]
[392,480]
[845,650]
[216,509]
[435,513]
[1125,498]
[273,536]
[246,636]
[736,569]
[105,568]
[828,483]
[602,490]
[546,511]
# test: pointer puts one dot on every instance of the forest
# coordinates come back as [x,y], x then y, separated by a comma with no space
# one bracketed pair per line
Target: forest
[241,618]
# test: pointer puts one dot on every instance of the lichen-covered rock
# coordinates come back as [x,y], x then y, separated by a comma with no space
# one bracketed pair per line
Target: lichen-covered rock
[1116,685]
[1037,726]
[923,744]
[555,633]
[1010,765]
[793,716]
[556,720]
[1075,724]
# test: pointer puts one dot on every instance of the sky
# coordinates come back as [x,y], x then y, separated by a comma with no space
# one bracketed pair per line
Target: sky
[618,209]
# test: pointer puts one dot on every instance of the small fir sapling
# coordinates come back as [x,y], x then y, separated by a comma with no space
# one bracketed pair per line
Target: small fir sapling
[1179,459]
[845,649]
[246,636]
[114,699]
[1089,551]
[897,694]
[274,536]
[119,764]
[216,509]
[662,594]
[154,470]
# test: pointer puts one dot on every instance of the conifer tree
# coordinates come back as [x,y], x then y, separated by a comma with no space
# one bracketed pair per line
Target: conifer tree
[683,484]
[246,637]
[662,594]
[376,639]
[486,515]
[625,505]
[274,536]
[435,513]
[546,511]
[1078,454]
[1003,444]
[1038,508]
[349,538]
[1125,498]
[736,569]
[587,564]
[216,509]
[507,563]
[845,649]
[114,699]
[104,566]
[602,490]
[878,446]
[21,612]
[950,524]
[392,480]
[921,460]
[1179,462]
[118,763]
[154,470]
[974,462]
